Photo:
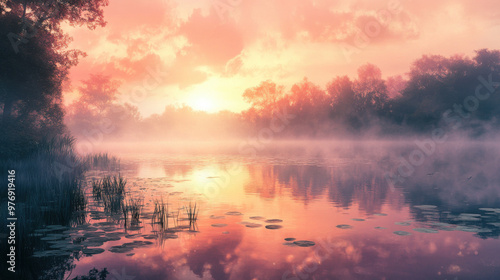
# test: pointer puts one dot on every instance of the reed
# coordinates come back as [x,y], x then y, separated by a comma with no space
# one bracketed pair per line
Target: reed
[192,212]
[110,190]
[134,207]
[161,213]
[49,189]
[102,161]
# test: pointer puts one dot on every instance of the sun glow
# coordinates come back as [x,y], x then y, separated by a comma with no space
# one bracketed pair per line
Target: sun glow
[202,103]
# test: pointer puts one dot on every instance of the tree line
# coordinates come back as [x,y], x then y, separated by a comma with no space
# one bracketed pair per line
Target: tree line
[437,92]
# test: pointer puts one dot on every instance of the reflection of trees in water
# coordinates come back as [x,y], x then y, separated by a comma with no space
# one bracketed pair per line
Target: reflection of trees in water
[345,185]
[460,178]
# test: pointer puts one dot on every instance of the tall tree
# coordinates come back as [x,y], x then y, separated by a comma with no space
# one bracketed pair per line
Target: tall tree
[34,62]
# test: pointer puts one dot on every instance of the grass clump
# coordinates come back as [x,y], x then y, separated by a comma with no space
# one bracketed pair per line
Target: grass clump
[192,212]
[133,207]
[110,190]
[102,161]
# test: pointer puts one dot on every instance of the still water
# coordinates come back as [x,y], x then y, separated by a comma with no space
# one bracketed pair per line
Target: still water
[438,219]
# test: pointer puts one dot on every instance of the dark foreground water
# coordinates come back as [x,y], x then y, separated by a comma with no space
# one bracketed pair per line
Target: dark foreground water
[371,211]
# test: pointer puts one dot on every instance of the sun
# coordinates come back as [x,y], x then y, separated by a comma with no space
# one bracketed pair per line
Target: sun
[202,103]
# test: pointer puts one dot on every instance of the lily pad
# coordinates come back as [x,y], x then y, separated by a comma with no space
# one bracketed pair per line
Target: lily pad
[253,225]
[358,220]
[402,223]
[273,226]
[216,217]
[219,225]
[257,218]
[426,230]
[92,251]
[234,213]
[273,221]
[344,226]
[289,239]
[425,207]
[402,233]
[304,243]
[380,228]
[120,249]
[467,229]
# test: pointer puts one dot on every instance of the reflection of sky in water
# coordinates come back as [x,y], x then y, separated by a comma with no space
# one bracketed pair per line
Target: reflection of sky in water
[312,195]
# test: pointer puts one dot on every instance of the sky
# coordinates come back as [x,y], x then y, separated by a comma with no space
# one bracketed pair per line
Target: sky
[205,53]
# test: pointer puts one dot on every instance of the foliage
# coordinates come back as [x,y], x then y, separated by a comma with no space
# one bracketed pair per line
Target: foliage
[34,62]
[94,274]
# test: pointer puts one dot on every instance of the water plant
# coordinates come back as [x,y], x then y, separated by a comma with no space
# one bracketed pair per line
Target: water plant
[192,212]
[160,214]
[134,207]
[110,190]
[102,161]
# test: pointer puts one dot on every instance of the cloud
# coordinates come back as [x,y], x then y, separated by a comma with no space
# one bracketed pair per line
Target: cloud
[284,40]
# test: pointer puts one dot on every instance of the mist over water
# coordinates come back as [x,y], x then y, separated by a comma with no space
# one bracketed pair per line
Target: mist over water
[334,193]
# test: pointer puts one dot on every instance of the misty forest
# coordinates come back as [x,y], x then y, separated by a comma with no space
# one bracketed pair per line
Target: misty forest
[367,176]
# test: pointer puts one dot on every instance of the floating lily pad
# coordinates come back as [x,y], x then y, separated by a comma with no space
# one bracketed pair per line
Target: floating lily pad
[219,225]
[402,233]
[150,236]
[304,243]
[92,251]
[425,207]
[343,226]
[467,218]
[289,239]
[291,244]
[274,221]
[130,254]
[120,249]
[273,226]
[216,217]
[380,228]
[257,218]
[358,220]
[93,234]
[92,244]
[253,225]
[380,214]
[402,223]
[490,209]
[234,213]
[467,229]
[426,230]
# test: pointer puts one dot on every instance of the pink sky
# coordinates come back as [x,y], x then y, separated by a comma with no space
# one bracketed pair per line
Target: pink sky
[210,51]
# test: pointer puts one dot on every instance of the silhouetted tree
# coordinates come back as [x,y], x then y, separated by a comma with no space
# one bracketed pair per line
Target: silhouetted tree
[34,63]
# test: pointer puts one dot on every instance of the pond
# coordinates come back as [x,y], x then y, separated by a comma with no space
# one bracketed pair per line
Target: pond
[320,211]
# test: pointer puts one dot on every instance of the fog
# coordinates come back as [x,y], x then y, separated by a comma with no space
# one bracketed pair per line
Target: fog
[439,98]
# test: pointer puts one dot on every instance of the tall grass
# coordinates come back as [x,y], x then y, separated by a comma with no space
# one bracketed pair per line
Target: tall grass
[192,212]
[134,207]
[102,161]
[160,214]
[110,190]
[48,191]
